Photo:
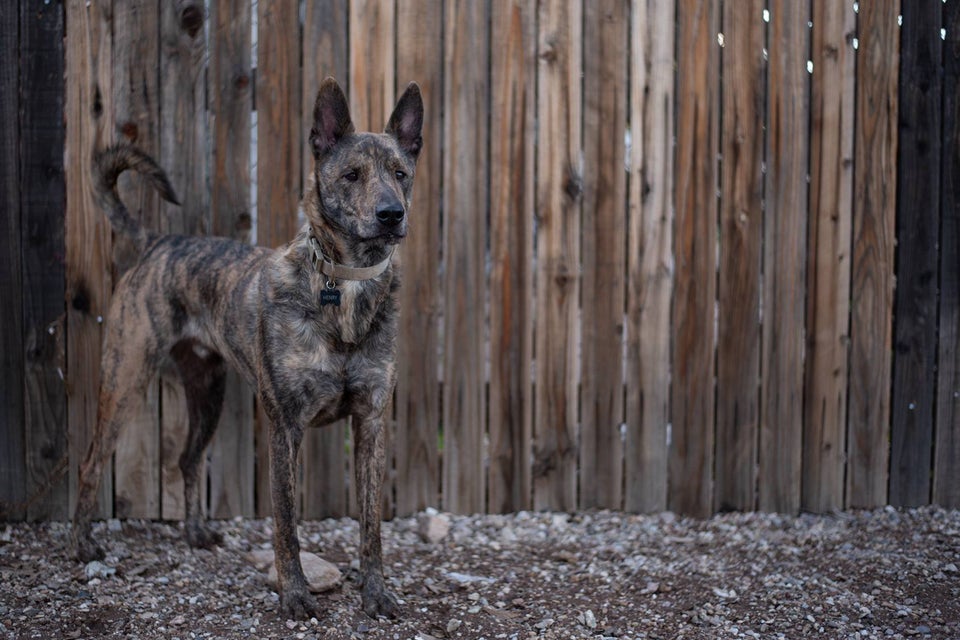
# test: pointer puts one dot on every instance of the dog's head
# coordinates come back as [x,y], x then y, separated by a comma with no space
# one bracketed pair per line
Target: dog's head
[364,181]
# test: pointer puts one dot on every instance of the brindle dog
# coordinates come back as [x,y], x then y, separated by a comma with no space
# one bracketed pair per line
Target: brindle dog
[312,326]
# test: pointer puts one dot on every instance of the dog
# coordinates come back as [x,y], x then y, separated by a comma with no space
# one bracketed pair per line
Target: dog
[311,326]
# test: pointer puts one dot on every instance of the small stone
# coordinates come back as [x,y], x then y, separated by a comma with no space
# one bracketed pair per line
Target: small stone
[588,619]
[950,568]
[291,624]
[321,575]
[923,629]
[261,559]
[453,625]
[465,578]
[543,624]
[651,587]
[97,569]
[113,524]
[433,527]
[726,594]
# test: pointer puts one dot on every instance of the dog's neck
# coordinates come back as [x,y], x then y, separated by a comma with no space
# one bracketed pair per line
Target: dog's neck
[335,252]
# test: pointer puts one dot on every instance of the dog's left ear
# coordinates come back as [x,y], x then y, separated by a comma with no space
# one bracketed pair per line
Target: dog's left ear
[406,121]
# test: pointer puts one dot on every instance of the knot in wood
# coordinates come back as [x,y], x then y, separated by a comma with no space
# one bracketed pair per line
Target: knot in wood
[191,20]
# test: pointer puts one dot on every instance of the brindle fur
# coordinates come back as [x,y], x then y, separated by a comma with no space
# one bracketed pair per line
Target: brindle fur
[205,303]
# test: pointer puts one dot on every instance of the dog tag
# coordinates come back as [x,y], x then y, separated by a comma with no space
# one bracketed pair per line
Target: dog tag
[330,295]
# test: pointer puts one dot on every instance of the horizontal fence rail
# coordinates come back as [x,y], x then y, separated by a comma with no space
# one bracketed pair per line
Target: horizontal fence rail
[687,254]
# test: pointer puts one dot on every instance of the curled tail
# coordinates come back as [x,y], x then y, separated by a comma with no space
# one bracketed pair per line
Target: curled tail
[108,164]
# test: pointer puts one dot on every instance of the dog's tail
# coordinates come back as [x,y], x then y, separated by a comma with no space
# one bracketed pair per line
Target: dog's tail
[108,164]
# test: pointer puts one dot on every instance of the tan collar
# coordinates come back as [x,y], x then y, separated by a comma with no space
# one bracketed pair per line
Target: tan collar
[335,272]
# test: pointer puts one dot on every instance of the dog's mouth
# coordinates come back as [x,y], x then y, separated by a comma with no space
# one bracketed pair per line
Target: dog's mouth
[390,237]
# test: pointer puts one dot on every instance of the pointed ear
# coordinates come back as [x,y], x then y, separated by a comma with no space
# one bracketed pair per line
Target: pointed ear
[331,118]
[406,121]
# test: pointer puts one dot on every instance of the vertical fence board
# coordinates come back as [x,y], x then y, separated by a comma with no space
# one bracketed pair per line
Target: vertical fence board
[12,460]
[785,253]
[691,451]
[873,253]
[918,200]
[512,130]
[278,173]
[558,201]
[278,130]
[88,243]
[741,236]
[372,25]
[946,470]
[184,154]
[136,120]
[649,255]
[230,105]
[604,199]
[325,53]
[828,261]
[42,245]
[417,400]
[466,95]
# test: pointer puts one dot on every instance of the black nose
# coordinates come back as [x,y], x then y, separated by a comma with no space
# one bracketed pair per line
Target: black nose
[390,217]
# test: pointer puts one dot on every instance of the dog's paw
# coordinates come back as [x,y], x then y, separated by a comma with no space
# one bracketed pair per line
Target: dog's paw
[86,550]
[377,601]
[201,537]
[298,604]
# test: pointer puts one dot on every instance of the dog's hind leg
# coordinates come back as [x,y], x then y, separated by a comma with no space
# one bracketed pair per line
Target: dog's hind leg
[127,365]
[203,374]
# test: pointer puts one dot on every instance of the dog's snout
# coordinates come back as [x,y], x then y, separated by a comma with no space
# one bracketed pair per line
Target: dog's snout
[390,216]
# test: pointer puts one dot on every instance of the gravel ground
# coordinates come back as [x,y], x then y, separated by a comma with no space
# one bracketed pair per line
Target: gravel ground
[879,574]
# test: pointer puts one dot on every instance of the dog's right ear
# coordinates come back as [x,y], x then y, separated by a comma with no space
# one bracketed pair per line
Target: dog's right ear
[331,118]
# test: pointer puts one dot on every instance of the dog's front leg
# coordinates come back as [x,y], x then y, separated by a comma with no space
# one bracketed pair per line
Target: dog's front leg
[296,603]
[370,463]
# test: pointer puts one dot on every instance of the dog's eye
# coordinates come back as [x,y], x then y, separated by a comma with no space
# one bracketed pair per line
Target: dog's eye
[400,175]
[351,176]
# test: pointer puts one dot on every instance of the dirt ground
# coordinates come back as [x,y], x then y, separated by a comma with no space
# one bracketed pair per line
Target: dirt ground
[880,574]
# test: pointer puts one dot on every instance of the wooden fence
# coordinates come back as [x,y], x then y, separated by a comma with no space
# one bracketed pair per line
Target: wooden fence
[671,254]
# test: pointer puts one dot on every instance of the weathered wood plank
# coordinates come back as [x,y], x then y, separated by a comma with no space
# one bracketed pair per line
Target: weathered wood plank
[873,254]
[466,96]
[946,468]
[691,451]
[324,486]
[372,27]
[512,130]
[603,252]
[741,235]
[88,239]
[137,120]
[417,398]
[13,471]
[185,156]
[650,254]
[231,87]
[828,261]
[558,202]
[918,200]
[279,151]
[278,130]
[785,254]
[42,246]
